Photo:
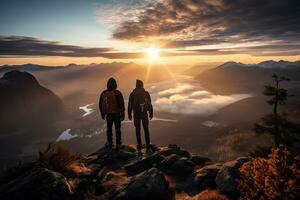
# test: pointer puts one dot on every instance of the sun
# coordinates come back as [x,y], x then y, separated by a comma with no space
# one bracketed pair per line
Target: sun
[153,53]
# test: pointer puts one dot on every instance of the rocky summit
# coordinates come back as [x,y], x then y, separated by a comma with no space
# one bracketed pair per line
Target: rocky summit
[165,173]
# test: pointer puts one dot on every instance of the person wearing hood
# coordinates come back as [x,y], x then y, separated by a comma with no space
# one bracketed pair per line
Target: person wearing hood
[140,104]
[111,105]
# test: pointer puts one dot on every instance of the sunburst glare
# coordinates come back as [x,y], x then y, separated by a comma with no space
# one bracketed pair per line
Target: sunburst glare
[153,53]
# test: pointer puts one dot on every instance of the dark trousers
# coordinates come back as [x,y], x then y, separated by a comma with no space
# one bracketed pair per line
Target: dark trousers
[111,119]
[137,123]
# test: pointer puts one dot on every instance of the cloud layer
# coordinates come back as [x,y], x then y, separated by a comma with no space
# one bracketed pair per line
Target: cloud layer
[29,46]
[187,97]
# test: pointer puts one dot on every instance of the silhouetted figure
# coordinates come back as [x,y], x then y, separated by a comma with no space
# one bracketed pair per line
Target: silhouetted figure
[140,103]
[111,105]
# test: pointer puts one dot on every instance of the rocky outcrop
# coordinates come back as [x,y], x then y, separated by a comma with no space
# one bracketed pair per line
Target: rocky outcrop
[148,186]
[144,164]
[228,175]
[125,174]
[205,177]
[37,183]
[176,165]
[174,149]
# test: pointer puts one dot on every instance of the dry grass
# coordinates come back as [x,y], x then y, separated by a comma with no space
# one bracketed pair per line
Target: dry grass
[130,147]
[58,158]
[272,178]
[235,144]
[207,195]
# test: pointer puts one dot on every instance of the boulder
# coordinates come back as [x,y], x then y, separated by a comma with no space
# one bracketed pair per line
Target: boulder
[205,177]
[117,159]
[121,155]
[113,182]
[147,186]
[199,160]
[176,165]
[139,166]
[37,183]
[228,174]
[174,149]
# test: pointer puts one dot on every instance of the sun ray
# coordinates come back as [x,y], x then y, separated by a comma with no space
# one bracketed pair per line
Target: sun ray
[153,53]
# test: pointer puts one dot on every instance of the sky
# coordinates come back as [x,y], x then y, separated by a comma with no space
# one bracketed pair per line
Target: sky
[59,32]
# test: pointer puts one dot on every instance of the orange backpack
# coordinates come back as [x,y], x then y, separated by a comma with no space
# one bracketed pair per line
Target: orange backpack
[109,103]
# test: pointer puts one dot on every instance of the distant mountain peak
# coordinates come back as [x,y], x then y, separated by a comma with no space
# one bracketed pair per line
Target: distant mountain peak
[274,64]
[22,78]
[72,65]
[265,64]
[24,102]
[232,64]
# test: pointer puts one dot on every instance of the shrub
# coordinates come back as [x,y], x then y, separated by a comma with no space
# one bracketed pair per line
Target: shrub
[260,152]
[57,158]
[210,195]
[236,143]
[272,178]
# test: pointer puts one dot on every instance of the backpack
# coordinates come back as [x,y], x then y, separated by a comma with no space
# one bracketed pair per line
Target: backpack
[141,102]
[109,103]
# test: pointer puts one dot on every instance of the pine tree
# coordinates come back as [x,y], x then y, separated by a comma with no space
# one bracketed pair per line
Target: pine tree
[278,125]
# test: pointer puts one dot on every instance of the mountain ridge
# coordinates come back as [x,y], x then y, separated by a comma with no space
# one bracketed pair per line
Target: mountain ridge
[263,64]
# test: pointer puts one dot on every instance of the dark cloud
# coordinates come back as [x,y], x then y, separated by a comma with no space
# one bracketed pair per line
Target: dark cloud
[264,50]
[203,22]
[28,46]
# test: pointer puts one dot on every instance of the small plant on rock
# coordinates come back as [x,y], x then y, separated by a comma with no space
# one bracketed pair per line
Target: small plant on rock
[57,158]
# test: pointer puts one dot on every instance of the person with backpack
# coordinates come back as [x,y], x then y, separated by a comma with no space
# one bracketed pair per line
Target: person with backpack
[140,103]
[111,105]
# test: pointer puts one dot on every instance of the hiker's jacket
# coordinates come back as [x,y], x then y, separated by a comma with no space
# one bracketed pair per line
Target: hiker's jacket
[140,103]
[116,106]
[111,100]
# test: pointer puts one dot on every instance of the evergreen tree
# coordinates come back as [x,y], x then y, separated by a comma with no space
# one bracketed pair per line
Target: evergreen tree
[278,125]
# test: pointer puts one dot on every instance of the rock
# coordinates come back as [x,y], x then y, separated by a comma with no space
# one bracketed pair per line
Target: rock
[147,186]
[114,182]
[176,165]
[199,160]
[174,149]
[99,154]
[37,183]
[228,174]
[116,159]
[144,164]
[205,177]
[130,148]
[121,155]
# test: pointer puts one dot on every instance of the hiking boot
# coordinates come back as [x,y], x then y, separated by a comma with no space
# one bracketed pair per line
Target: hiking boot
[118,147]
[139,147]
[109,145]
[148,150]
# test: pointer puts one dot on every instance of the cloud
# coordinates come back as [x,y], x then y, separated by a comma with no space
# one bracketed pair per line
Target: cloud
[187,97]
[187,23]
[29,46]
[177,89]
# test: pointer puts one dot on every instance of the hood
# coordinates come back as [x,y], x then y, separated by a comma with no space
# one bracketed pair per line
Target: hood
[139,83]
[112,84]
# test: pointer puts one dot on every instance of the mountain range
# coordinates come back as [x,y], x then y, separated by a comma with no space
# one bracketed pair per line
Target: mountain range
[232,77]
[80,85]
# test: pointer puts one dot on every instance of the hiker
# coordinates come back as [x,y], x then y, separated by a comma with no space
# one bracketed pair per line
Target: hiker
[111,105]
[140,103]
